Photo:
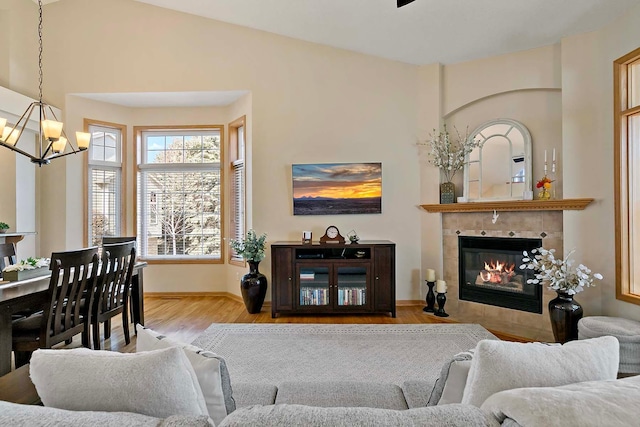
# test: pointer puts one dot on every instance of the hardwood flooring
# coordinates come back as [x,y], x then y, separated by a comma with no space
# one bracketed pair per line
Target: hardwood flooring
[185,317]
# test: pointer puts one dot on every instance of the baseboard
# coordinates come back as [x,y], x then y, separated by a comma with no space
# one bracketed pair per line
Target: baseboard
[409,302]
[175,295]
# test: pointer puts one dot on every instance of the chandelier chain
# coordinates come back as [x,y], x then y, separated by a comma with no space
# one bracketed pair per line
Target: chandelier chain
[40,51]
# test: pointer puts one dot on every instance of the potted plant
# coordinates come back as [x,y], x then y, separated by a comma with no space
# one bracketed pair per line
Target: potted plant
[26,269]
[3,227]
[450,156]
[253,285]
[560,275]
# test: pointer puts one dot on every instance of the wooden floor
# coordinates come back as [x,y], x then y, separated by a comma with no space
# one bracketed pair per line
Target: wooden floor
[184,318]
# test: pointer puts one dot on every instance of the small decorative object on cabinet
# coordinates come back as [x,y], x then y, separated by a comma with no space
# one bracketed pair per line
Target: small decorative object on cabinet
[3,227]
[306,237]
[561,277]
[253,285]
[430,299]
[332,235]
[336,278]
[353,236]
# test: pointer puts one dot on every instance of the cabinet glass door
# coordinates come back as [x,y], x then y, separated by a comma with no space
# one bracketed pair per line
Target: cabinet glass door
[352,286]
[314,286]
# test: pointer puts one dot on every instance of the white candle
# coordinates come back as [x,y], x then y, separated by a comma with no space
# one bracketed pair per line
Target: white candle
[431,275]
[545,156]
[553,157]
[441,286]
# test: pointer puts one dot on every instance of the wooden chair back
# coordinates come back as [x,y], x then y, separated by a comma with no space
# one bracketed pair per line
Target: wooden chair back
[108,240]
[118,260]
[72,273]
[7,255]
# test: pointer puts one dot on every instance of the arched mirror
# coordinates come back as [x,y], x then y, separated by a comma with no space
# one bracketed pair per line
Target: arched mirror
[500,167]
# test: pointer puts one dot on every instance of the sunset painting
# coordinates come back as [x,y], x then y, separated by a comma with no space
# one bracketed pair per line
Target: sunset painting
[337,188]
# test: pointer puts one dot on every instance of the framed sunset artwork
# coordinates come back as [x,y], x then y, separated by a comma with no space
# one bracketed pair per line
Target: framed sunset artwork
[337,188]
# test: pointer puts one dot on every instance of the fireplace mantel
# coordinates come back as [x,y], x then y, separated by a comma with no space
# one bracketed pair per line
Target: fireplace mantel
[511,205]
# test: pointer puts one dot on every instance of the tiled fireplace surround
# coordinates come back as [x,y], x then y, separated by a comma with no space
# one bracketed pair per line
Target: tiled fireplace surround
[545,225]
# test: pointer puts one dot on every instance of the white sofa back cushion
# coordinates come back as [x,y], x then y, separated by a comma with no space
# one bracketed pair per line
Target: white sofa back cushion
[210,369]
[503,365]
[157,383]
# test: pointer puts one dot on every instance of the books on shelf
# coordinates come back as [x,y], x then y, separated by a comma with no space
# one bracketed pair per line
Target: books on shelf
[314,296]
[351,296]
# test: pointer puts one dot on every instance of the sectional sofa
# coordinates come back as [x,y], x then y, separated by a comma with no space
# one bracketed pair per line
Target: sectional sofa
[498,383]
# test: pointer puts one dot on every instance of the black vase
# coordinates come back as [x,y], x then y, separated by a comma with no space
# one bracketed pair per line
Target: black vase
[565,313]
[254,288]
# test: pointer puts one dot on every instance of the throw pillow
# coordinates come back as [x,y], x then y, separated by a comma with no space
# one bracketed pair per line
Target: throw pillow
[210,369]
[157,383]
[453,377]
[503,365]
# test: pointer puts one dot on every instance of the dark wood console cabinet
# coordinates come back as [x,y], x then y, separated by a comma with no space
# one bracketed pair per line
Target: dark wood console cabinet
[333,278]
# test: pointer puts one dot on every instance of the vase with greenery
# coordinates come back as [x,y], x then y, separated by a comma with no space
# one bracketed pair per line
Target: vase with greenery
[253,285]
[449,156]
[3,227]
[561,276]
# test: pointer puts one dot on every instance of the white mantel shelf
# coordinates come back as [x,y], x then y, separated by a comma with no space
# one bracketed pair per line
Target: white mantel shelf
[510,205]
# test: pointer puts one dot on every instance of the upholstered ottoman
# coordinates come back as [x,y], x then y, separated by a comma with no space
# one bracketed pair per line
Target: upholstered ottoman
[625,330]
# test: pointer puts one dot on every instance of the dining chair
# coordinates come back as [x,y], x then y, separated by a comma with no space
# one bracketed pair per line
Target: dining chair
[7,256]
[106,240]
[112,293]
[64,313]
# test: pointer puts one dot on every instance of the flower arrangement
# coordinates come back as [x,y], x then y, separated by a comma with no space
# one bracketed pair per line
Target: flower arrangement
[4,226]
[251,248]
[545,182]
[28,264]
[558,274]
[450,156]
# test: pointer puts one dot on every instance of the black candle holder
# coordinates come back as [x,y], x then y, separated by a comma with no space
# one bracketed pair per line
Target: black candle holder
[441,298]
[431,298]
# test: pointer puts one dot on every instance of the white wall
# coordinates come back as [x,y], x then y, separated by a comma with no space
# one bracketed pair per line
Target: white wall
[587,112]
[311,103]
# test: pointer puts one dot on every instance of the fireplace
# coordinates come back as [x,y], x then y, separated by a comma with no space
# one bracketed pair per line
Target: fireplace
[490,272]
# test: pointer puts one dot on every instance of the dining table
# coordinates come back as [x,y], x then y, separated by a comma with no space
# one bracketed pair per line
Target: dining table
[31,293]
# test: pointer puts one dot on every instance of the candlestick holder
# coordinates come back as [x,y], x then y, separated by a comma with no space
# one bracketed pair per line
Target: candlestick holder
[441,298]
[431,298]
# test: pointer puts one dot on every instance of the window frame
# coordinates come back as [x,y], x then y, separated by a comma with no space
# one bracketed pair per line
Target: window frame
[622,184]
[138,131]
[123,173]
[237,153]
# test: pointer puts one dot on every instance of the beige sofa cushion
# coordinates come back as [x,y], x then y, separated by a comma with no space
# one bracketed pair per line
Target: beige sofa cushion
[157,383]
[503,365]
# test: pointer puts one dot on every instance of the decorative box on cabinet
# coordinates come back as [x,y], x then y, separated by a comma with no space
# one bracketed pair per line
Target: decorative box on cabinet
[333,278]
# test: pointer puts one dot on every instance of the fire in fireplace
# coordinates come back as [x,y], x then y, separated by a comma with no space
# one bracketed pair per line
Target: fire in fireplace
[490,272]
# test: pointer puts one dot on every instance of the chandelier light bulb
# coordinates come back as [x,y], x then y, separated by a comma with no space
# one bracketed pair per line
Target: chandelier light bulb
[10,135]
[83,139]
[51,129]
[58,145]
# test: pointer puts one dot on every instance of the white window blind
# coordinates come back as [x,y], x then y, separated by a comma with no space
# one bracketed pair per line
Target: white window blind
[179,200]
[104,183]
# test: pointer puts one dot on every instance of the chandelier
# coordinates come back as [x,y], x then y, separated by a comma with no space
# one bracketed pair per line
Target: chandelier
[52,141]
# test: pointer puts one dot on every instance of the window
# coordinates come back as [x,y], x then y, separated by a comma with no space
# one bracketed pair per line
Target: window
[104,179]
[178,192]
[627,167]
[237,187]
